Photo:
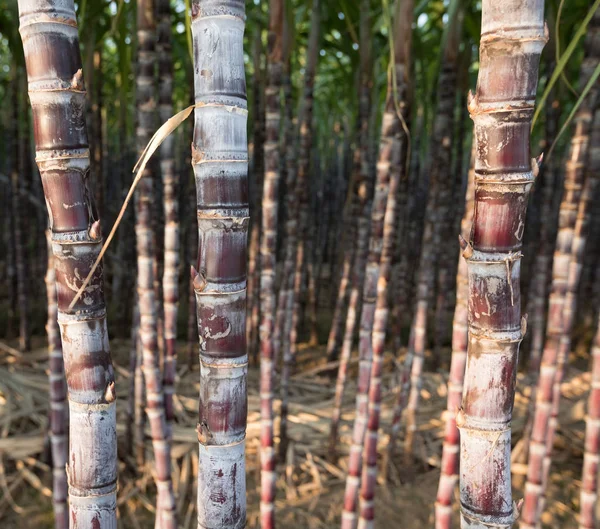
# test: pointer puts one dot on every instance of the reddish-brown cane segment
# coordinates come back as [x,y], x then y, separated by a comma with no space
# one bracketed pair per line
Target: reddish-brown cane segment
[50,40]
[220,163]
[512,38]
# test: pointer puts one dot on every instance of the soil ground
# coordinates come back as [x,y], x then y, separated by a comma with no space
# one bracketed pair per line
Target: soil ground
[310,488]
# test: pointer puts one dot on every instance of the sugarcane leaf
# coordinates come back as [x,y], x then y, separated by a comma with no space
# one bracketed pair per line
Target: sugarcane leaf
[557,48]
[188,28]
[588,87]
[564,59]
[160,135]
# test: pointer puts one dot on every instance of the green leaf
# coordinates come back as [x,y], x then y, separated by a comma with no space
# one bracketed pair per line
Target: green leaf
[560,65]
[582,97]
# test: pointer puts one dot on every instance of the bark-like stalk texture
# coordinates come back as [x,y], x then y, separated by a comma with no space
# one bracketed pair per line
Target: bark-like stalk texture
[220,162]
[390,170]
[59,418]
[512,38]
[146,269]
[449,466]
[554,355]
[268,257]
[57,94]
[300,222]
[591,458]
[170,279]
[436,219]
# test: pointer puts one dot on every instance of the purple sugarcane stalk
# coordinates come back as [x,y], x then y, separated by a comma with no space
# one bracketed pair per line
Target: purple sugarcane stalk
[220,163]
[57,94]
[512,38]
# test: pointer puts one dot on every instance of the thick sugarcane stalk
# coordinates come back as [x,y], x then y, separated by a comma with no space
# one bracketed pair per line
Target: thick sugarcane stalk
[170,279]
[391,168]
[268,262]
[512,38]
[300,222]
[449,466]
[436,219]
[553,354]
[591,457]
[59,418]
[57,94]
[146,270]
[220,162]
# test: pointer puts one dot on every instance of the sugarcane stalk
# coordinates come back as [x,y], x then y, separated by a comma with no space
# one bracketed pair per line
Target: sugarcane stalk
[450,449]
[299,224]
[147,270]
[170,279]
[268,258]
[220,163]
[436,219]
[57,94]
[59,418]
[391,169]
[363,183]
[554,354]
[591,457]
[512,38]
[580,237]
